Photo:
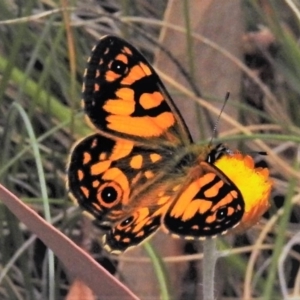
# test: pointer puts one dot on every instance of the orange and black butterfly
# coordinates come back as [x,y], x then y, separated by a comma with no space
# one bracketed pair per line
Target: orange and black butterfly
[140,170]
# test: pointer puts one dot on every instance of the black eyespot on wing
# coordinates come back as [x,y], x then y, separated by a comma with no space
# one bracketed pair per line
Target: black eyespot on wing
[127,221]
[109,194]
[222,213]
[119,67]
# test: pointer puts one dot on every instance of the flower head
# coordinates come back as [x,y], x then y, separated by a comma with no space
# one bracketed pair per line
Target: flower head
[253,183]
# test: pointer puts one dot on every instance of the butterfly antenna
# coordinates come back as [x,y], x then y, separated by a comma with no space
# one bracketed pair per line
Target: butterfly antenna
[214,133]
[262,153]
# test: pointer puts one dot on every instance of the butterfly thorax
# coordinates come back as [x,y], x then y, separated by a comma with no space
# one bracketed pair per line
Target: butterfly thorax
[183,165]
[189,155]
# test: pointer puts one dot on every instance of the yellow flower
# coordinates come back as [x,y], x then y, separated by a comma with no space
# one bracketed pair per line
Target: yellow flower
[253,183]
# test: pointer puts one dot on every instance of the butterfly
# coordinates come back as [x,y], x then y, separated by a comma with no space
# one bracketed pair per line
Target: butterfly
[140,170]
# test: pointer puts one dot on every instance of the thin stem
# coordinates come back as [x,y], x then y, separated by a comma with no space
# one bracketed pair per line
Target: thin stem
[160,272]
[208,269]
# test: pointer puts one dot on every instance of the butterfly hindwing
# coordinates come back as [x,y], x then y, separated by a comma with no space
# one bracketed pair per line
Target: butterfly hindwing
[124,97]
[133,230]
[205,207]
[107,177]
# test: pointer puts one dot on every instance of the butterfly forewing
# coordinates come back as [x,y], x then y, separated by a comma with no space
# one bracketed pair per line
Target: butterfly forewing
[124,97]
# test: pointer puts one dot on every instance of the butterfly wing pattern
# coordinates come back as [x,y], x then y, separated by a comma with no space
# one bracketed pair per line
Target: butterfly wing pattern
[124,97]
[106,177]
[140,170]
[208,206]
